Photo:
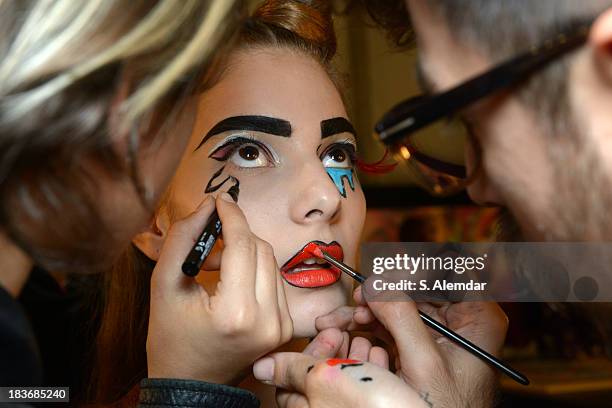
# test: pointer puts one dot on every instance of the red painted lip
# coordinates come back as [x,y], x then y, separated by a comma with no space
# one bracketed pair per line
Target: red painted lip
[314,275]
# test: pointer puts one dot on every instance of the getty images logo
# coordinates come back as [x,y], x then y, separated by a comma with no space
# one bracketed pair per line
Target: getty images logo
[414,264]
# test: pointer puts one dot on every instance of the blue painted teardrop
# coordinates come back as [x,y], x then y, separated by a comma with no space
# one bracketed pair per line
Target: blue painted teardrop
[337,174]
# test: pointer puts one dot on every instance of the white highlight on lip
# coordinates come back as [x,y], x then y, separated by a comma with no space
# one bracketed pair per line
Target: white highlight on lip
[311,261]
[313,264]
[314,260]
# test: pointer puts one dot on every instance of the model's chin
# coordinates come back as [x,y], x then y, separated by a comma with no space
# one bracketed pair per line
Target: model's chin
[304,310]
[305,328]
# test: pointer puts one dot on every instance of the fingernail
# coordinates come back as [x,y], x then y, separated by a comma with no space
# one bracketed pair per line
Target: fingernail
[263,370]
[359,310]
[227,197]
[342,361]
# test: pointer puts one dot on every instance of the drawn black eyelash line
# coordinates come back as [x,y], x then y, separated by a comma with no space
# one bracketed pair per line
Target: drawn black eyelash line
[345,141]
[348,147]
[237,142]
[348,141]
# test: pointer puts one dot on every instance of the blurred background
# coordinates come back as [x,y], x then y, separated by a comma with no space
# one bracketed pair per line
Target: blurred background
[563,348]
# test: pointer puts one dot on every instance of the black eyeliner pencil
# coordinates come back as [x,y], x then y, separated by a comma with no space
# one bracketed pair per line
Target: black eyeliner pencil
[440,328]
[205,243]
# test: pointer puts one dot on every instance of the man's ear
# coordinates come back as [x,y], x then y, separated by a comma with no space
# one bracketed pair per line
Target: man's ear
[601,32]
[151,240]
[600,40]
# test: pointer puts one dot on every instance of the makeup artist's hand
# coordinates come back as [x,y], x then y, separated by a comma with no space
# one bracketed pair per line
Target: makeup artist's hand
[323,376]
[215,337]
[439,370]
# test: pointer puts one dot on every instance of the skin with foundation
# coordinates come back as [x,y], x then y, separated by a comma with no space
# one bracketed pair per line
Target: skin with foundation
[280,156]
[292,147]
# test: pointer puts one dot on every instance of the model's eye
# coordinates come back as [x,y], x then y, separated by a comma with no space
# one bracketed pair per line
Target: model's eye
[244,153]
[338,156]
[249,155]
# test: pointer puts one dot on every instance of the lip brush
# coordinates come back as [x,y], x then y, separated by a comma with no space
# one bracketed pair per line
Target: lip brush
[440,328]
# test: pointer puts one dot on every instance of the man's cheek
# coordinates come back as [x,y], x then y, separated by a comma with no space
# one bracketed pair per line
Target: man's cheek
[471,157]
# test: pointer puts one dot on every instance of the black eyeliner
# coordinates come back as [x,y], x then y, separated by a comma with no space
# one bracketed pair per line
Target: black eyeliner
[239,141]
[347,146]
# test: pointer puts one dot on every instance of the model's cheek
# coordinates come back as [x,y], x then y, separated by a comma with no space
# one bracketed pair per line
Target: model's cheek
[263,202]
[354,208]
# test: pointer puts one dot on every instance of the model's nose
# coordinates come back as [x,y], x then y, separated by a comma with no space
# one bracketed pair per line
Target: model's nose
[317,199]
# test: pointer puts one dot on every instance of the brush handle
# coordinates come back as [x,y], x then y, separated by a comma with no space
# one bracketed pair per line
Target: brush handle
[344,268]
[474,349]
[443,330]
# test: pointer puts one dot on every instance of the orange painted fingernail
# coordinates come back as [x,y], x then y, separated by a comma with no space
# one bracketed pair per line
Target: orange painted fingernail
[344,362]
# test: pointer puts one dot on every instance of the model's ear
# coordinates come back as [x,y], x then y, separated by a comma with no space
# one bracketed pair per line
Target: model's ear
[151,240]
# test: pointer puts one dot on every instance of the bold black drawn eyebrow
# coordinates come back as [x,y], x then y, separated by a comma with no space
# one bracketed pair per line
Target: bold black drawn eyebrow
[334,126]
[254,123]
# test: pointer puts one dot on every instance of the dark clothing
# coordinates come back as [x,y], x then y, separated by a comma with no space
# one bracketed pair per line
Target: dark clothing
[158,393]
[60,321]
[61,318]
[20,363]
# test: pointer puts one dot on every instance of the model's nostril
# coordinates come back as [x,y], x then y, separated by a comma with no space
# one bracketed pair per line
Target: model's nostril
[312,213]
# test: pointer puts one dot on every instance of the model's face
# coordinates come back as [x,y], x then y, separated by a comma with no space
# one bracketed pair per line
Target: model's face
[276,122]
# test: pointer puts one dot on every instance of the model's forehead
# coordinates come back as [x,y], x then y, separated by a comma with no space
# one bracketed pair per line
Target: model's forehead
[278,83]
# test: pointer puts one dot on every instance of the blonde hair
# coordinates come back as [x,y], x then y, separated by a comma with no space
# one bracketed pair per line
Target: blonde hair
[47,53]
[62,64]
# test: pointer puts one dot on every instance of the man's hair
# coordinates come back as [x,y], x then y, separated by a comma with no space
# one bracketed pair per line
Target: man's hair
[393,17]
[501,29]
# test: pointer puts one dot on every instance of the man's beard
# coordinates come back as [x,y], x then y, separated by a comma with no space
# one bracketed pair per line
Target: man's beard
[582,210]
[583,192]
[578,208]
